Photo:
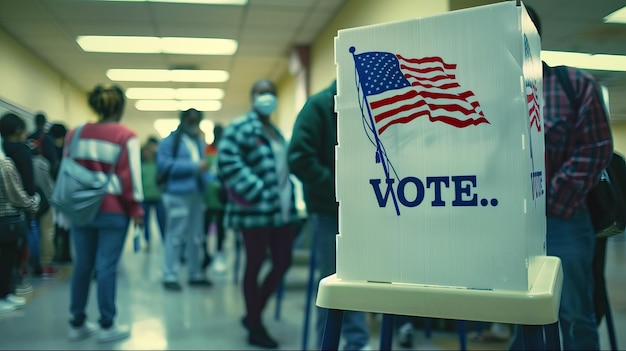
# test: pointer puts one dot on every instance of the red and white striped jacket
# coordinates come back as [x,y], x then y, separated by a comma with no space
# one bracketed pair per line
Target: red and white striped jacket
[99,147]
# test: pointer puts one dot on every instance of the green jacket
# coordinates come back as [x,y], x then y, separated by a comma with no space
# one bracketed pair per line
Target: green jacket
[312,151]
[151,190]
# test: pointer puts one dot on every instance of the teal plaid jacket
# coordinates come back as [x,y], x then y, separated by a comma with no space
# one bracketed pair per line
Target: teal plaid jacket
[247,167]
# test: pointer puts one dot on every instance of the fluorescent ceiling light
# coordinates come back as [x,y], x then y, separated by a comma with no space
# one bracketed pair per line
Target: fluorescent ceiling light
[600,62]
[207,2]
[178,105]
[618,16]
[165,126]
[156,45]
[164,75]
[176,94]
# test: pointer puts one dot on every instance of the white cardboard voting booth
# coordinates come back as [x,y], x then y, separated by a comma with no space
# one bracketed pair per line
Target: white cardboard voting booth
[440,156]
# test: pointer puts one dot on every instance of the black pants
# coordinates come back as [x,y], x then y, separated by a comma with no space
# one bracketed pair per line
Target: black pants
[8,257]
[62,252]
[217,217]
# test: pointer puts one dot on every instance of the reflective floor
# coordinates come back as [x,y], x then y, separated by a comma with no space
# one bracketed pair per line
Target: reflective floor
[208,318]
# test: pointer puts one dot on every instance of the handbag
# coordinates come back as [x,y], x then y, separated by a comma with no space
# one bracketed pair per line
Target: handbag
[13,227]
[79,192]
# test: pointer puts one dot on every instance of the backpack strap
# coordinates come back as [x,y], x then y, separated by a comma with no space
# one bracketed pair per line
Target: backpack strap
[71,151]
[71,148]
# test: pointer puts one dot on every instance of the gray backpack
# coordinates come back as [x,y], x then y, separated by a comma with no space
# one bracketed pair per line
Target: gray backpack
[79,192]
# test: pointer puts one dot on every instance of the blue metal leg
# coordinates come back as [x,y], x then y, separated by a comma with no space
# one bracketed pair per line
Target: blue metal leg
[553,339]
[309,295]
[386,332]
[428,327]
[279,299]
[237,258]
[533,337]
[332,330]
[461,329]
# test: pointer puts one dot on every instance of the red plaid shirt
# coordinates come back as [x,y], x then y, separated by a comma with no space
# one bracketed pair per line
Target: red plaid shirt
[578,143]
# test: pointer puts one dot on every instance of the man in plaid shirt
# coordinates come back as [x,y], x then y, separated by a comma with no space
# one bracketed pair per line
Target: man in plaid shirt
[579,146]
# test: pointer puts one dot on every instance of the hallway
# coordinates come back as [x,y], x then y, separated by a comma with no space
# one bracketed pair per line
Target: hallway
[208,318]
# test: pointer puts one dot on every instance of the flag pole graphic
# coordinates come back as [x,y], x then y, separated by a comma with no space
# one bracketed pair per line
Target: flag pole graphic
[380,152]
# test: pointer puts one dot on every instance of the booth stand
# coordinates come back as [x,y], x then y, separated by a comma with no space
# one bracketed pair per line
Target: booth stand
[537,310]
[440,174]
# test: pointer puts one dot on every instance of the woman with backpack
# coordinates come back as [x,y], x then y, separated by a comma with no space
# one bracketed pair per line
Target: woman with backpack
[111,148]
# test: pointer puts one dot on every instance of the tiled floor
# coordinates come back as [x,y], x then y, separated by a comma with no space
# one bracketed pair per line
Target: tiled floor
[208,318]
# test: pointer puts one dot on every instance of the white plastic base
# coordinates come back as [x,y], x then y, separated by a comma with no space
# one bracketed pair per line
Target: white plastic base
[538,306]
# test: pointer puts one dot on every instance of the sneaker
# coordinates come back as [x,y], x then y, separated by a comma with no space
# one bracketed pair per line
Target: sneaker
[405,335]
[23,289]
[6,306]
[84,331]
[219,266]
[500,331]
[114,333]
[47,272]
[16,300]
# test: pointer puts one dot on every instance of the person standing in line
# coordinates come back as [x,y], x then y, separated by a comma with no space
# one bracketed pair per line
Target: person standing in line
[183,172]
[45,167]
[215,200]
[312,160]
[61,239]
[252,163]
[98,245]
[151,190]
[44,143]
[13,202]
[13,132]
[579,146]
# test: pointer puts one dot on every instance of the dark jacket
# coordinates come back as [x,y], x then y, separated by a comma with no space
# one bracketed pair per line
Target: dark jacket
[312,151]
[46,148]
[22,156]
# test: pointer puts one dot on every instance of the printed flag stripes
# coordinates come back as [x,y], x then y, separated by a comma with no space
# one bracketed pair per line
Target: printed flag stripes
[399,90]
[532,101]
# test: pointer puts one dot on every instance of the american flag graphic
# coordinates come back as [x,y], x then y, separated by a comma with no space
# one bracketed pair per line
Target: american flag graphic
[399,90]
[532,101]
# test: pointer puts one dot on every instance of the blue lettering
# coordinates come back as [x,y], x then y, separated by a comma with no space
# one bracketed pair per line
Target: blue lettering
[437,181]
[419,197]
[537,185]
[461,189]
[382,201]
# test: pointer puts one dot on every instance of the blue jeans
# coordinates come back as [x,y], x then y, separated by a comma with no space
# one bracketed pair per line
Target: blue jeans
[354,327]
[98,247]
[572,240]
[34,251]
[160,217]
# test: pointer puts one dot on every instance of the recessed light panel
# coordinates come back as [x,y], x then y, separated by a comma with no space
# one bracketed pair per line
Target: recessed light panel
[157,45]
[178,105]
[175,94]
[164,75]
[600,62]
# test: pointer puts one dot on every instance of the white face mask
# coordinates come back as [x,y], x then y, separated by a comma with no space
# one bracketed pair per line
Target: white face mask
[265,104]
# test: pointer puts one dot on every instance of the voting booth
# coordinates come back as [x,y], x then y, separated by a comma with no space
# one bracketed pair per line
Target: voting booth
[440,175]
[440,157]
